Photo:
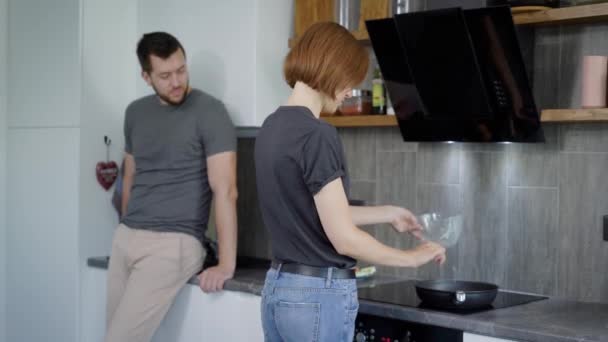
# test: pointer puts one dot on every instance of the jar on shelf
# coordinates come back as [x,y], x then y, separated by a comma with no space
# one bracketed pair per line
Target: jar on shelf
[359,103]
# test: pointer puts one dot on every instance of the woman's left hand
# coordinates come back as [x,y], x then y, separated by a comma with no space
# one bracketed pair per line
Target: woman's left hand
[403,220]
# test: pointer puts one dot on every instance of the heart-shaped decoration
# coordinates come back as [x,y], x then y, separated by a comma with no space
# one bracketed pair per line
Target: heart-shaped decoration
[106,173]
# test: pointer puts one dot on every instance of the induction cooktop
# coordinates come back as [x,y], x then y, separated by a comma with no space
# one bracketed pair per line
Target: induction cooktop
[404,293]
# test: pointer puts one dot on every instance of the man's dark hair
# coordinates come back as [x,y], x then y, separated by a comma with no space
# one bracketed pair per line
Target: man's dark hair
[160,44]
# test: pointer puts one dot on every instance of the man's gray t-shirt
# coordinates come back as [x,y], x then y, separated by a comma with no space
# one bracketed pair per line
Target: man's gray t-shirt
[170,144]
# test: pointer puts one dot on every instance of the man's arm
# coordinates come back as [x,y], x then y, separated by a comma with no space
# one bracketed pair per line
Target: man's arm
[221,170]
[127,182]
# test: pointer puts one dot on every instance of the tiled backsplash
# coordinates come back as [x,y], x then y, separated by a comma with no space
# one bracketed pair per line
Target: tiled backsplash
[532,213]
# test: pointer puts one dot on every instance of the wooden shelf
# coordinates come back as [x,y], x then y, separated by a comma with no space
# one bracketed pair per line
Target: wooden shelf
[554,16]
[361,120]
[361,36]
[575,115]
[565,15]
[547,116]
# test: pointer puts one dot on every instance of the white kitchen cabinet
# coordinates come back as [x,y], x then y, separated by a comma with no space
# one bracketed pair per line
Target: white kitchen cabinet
[3,132]
[224,316]
[184,321]
[194,316]
[44,57]
[232,316]
[42,235]
[468,337]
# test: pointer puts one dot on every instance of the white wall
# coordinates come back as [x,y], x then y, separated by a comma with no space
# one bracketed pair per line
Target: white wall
[72,70]
[3,63]
[274,26]
[219,39]
[43,170]
[235,49]
[109,76]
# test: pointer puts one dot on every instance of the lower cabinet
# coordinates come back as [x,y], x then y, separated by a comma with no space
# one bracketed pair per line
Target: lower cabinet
[184,321]
[93,308]
[194,316]
[467,337]
[197,316]
[232,316]
[223,316]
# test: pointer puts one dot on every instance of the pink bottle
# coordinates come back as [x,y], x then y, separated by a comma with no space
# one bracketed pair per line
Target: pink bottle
[593,82]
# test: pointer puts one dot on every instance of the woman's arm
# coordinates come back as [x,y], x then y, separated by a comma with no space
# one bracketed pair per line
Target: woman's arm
[401,219]
[348,239]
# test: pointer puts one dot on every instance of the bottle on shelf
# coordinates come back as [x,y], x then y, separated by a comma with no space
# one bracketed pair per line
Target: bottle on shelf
[378,93]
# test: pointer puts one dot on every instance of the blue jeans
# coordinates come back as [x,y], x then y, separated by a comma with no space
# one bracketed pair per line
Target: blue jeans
[297,308]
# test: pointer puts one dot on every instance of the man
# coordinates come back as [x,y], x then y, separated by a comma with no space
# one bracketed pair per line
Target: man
[180,153]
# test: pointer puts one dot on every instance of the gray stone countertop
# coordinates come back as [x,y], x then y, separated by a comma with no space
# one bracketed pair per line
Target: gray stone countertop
[550,320]
[250,277]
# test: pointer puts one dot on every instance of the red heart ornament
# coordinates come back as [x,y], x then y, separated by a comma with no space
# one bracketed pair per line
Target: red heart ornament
[106,173]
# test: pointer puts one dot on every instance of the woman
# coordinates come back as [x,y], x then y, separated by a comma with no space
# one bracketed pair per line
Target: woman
[310,293]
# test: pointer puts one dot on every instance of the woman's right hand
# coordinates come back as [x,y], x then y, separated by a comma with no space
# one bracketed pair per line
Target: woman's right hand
[426,252]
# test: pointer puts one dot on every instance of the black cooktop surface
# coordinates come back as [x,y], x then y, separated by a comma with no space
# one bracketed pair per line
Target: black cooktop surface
[404,293]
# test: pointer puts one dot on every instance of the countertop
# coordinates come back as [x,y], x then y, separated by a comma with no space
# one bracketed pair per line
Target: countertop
[250,274]
[547,320]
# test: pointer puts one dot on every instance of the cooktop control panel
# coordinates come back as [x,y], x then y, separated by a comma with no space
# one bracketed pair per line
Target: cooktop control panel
[380,329]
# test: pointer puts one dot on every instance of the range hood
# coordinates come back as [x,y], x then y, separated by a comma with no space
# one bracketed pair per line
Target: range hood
[456,75]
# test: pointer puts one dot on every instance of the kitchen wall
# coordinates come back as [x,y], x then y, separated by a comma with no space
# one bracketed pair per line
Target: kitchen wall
[3,246]
[274,26]
[576,165]
[71,76]
[532,213]
[109,74]
[216,61]
[236,65]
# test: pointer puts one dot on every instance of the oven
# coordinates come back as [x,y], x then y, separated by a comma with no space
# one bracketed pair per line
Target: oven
[379,329]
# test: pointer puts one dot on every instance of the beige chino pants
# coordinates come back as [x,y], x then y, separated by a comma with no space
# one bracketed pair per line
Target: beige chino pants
[147,269]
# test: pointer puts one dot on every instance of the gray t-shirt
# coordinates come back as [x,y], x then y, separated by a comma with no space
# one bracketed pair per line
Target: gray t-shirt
[296,155]
[170,144]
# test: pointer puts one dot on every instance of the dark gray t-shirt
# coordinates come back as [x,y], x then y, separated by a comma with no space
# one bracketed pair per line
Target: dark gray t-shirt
[170,145]
[296,155]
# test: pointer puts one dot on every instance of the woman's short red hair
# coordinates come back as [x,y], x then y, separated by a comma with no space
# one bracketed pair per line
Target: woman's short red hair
[327,58]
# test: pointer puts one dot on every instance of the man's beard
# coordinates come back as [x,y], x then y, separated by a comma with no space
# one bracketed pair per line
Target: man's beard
[168,100]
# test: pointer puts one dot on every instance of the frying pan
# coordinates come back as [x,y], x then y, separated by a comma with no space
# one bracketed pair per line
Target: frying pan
[455,294]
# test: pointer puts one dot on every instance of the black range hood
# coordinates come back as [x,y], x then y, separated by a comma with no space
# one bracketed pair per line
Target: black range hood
[456,75]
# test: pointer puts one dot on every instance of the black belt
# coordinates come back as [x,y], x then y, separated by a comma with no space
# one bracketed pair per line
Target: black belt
[311,271]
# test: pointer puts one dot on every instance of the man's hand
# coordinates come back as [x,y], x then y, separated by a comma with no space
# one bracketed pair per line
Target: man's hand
[213,278]
[403,220]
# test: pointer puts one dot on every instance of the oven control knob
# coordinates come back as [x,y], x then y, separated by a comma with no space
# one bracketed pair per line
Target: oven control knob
[360,337]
